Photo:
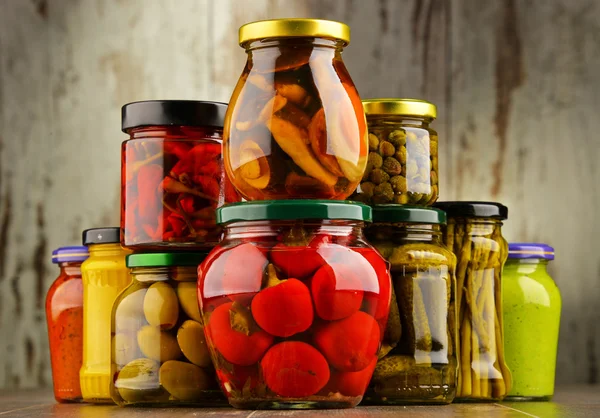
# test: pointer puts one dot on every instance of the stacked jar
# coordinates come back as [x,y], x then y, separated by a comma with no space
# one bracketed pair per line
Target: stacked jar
[172,183]
[294,300]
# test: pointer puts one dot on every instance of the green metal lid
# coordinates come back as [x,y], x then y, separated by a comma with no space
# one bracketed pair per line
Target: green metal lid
[165,259]
[408,214]
[293,209]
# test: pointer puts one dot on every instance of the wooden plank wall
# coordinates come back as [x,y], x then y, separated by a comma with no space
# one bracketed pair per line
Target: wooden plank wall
[516,83]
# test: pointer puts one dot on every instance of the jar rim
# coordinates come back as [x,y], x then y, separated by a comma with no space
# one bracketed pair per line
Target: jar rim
[400,107]
[473,209]
[172,113]
[294,28]
[293,209]
[408,214]
[165,259]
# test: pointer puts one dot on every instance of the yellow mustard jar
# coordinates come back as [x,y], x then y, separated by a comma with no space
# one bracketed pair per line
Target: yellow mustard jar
[104,276]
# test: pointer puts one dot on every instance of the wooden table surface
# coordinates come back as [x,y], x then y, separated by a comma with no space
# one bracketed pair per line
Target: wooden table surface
[572,401]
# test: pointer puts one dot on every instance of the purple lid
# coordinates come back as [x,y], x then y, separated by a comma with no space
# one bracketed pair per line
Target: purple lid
[530,250]
[70,254]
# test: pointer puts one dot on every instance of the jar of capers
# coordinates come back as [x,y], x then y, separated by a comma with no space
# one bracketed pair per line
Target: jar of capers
[402,165]
[418,359]
[159,354]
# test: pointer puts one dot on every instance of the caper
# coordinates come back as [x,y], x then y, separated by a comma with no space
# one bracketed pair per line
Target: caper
[190,337]
[373,142]
[125,348]
[184,381]
[188,298]
[129,313]
[160,306]
[138,381]
[158,345]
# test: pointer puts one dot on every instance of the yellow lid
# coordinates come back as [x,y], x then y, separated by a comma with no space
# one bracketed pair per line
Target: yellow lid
[292,28]
[408,107]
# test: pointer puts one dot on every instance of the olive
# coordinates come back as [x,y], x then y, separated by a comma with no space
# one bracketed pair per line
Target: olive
[158,345]
[184,381]
[125,348]
[129,312]
[190,337]
[160,306]
[188,298]
[138,381]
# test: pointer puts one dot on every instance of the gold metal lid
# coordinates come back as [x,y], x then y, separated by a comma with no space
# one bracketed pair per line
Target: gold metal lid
[293,28]
[408,107]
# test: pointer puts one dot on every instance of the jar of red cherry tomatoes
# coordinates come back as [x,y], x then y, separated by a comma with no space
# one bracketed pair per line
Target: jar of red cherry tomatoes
[172,176]
[294,301]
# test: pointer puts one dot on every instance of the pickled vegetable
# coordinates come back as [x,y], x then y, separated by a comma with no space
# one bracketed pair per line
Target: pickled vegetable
[311,332]
[160,355]
[481,251]
[299,132]
[417,363]
[403,162]
[173,182]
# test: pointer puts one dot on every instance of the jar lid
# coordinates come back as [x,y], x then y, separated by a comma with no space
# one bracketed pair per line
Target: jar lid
[70,254]
[408,214]
[172,113]
[408,107]
[294,28]
[107,235]
[459,209]
[165,259]
[530,250]
[293,209]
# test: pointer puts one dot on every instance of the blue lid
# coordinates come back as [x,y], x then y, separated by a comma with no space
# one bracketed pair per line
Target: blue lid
[70,254]
[530,250]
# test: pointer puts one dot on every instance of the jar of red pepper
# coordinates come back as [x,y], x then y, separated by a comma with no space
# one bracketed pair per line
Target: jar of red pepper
[294,301]
[172,177]
[64,314]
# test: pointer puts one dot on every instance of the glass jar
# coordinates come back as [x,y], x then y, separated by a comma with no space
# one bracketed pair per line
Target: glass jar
[159,354]
[474,233]
[172,176]
[532,305]
[293,300]
[64,314]
[402,165]
[417,363]
[295,127]
[104,276]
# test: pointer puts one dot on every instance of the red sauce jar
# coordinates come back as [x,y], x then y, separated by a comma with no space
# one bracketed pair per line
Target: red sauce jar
[64,314]
[172,176]
[294,303]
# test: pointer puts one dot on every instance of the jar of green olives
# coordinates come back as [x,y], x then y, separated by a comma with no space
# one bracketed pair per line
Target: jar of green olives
[402,165]
[418,361]
[159,354]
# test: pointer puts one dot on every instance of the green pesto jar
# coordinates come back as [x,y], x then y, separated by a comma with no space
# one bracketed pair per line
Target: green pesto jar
[531,307]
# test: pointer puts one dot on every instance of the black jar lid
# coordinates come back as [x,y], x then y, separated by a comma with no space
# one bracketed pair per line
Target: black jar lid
[172,113]
[165,259]
[408,214]
[458,209]
[293,209]
[107,235]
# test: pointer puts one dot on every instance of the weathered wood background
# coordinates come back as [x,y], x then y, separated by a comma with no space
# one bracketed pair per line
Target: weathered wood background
[517,83]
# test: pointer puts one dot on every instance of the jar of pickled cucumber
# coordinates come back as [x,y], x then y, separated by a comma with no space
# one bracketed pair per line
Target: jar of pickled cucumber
[294,299]
[159,354]
[474,233]
[417,363]
[295,127]
[172,176]
[402,165]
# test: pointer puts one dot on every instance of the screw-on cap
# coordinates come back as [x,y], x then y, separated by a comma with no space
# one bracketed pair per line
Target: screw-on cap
[408,214]
[69,254]
[107,235]
[164,259]
[172,113]
[459,209]
[530,250]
